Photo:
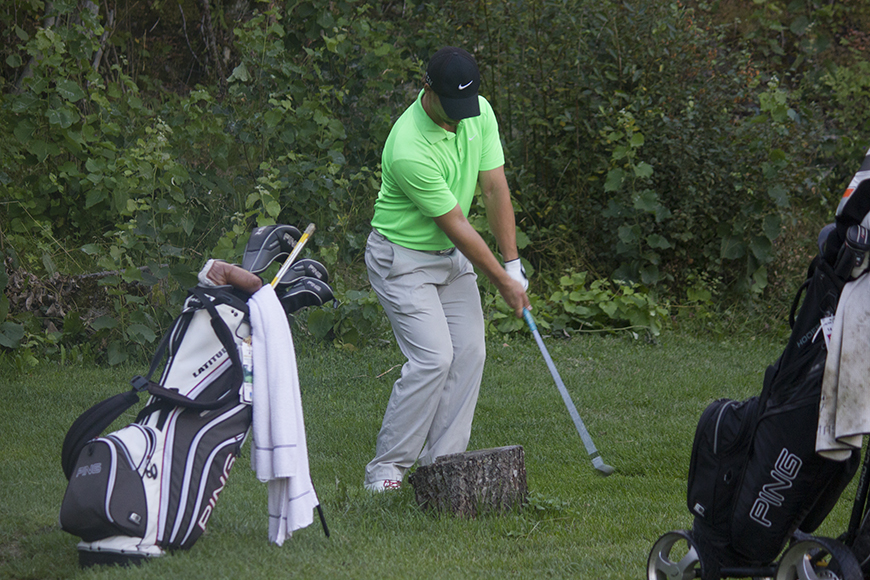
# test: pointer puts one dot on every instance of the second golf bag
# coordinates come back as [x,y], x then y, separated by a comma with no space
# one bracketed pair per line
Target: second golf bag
[754,475]
[153,485]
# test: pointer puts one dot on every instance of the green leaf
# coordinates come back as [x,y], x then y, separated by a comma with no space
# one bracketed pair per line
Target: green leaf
[772,226]
[4,304]
[627,234]
[24,102]
[759,277]
[273,208]
[636,139]
[104,322]
[320,323]
[658,242]
[141,334]
[39,148]
[117,353]
[614,179]
[70,90]
[761,248]
[11,334]
[733,248]
[523,240]
[240,73]
[95,165]
[94,197]
[62,116]
[643,170]
[779,194]
[647,201]
[24,131]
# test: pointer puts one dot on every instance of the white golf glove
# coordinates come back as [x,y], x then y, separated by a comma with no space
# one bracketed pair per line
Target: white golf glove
[204,280]
[515,270]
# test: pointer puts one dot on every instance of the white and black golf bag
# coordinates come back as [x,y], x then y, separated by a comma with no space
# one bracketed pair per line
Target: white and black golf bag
[153,485]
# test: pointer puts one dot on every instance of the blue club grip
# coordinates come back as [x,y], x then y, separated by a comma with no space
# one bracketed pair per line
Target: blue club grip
[527,315]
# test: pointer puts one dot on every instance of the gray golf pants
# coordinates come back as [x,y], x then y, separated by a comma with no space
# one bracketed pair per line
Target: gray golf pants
[433,304]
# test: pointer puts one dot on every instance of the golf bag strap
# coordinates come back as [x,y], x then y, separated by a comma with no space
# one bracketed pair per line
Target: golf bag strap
[821,264]
[170,395]
[90,424]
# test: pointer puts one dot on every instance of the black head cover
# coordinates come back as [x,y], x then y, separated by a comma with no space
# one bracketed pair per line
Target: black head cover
[304,268]
[267,244]
[305,292]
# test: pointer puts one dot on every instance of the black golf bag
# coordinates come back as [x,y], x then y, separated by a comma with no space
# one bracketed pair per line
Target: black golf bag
[754,475]
[153,485]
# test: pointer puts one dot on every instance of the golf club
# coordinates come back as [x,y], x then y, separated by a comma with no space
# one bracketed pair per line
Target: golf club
[305,292]
[597,462]
[266,244]
[304,268]
[300,243]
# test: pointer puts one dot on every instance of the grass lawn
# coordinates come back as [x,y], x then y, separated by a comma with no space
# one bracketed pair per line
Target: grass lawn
[640,402]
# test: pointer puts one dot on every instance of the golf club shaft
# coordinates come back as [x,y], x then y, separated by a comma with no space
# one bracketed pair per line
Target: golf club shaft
[572,410]
[293,255]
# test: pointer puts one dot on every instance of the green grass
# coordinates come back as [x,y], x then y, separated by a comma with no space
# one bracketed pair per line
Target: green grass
[640,402]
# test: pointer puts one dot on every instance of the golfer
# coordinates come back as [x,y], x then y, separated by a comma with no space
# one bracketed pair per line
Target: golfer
[420,257]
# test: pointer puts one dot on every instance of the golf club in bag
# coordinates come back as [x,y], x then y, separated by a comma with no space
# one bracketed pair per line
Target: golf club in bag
[597,462]
[153,485]
[267,244]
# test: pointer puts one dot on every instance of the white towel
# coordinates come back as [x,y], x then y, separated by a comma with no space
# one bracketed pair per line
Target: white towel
[844,408]
[280,453]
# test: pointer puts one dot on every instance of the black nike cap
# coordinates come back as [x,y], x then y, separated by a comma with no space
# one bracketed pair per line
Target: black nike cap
[453,75]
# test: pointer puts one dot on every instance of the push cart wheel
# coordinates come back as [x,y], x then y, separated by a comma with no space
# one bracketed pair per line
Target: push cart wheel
[674,557]
[816,558]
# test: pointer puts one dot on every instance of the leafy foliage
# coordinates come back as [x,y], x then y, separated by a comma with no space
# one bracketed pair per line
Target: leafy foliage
[656,151]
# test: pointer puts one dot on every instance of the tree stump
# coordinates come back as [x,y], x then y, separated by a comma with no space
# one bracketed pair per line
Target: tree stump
[474,482]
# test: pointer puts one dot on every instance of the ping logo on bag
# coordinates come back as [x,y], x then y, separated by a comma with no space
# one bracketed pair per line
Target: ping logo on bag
[212,501]
[784,472]
[92,469]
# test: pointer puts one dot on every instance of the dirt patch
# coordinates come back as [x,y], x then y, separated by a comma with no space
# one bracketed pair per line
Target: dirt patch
[52,298]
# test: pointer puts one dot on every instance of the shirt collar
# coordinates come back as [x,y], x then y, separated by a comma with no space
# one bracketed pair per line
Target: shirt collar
[430,130]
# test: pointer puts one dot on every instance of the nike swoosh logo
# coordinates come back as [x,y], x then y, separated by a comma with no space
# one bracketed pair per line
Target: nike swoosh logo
[466,85]
[472,137]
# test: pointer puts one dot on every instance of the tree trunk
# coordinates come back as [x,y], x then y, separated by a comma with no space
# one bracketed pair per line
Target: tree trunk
[475,482]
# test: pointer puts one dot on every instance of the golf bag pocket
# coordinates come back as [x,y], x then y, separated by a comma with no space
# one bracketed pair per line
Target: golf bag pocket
[719,453]
[787,485]
[106,494]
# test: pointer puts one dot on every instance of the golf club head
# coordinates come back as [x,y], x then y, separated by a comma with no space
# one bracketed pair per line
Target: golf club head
[267,244]
[304,268]
[305,292]
[602,467]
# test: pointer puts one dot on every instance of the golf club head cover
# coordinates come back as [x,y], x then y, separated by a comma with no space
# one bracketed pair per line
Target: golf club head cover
[304,268]
[855,203]
[267,244]
[829,243]
[305,292]
[853,253]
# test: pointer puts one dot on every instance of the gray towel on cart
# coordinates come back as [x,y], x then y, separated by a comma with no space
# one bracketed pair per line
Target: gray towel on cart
[844,408]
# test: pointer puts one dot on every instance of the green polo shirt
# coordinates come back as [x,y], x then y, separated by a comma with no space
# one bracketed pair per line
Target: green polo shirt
[427,170]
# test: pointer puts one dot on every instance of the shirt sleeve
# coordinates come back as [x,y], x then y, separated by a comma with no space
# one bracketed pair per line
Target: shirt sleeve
[492,155]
